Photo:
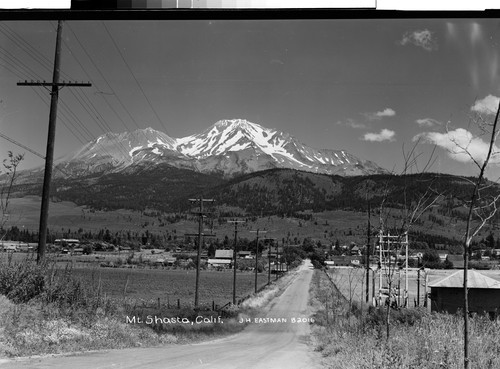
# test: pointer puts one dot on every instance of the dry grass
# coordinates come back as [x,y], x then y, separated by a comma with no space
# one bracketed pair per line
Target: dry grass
[418,340]
[68,315]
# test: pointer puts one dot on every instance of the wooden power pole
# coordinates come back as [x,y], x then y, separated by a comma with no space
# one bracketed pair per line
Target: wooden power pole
[49,157]
[368,241]
[257,255]
[234,255]
[200,235]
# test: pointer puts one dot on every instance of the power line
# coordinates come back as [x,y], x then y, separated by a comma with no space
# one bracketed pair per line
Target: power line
[107,83]
[113,92]
[135,79]
[95,115]
[21,145]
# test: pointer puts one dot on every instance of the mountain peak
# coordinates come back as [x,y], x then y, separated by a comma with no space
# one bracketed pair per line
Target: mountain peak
[229,146]
[238,124]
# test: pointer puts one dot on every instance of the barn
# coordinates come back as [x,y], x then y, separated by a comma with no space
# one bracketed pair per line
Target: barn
[447,294]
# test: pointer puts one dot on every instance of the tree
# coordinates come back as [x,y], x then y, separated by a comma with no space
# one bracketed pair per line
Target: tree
[394,231]
[430,259]
[10,167]
[482,201]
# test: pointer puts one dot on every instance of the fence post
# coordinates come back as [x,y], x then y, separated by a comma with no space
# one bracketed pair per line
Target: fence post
[178,303]
[213,305]
[158,303]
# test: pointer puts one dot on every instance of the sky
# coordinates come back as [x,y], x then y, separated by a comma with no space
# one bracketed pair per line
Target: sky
[372,87]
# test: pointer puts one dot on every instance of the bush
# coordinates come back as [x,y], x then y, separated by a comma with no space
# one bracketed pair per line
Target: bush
[22,282]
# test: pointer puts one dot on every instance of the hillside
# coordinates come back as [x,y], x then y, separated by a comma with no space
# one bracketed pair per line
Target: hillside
[273,191]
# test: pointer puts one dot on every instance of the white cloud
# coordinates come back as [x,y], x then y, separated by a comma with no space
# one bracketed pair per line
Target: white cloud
[427,122]
[387,112]
[423,39]
[384,135]
[488,105]
[459,144]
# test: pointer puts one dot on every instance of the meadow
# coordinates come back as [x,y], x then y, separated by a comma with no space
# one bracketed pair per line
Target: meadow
[169,285]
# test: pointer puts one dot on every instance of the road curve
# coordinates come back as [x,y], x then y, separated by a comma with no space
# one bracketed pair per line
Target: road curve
[261,345]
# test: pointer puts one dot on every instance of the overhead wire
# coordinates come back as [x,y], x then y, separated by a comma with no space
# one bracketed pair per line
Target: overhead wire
[92,110]
[134,77]
[113,92]
[70,119]
[79,130]
[17,64]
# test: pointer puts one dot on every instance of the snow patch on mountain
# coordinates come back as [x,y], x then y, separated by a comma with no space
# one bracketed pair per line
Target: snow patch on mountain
[230,146]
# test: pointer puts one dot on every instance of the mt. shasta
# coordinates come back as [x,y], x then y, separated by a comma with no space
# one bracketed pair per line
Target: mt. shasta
[229,147]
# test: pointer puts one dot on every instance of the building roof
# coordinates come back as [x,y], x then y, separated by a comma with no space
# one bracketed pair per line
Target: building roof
[474,280]
[219,261]
[223,254]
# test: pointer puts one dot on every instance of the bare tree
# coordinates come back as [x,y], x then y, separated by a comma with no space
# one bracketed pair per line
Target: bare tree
[10,168]
[482,202]
[412,207]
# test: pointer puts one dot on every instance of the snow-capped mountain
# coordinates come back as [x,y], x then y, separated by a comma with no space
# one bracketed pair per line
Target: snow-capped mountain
[229,147]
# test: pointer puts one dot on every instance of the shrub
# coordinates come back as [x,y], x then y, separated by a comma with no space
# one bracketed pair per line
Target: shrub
[22,282]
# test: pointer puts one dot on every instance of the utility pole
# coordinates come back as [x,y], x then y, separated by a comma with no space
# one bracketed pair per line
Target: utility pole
[276,266]
[368,234]
[269,260]
[200,235]
[49,157]
[234,255]
[257,254]
[418,287]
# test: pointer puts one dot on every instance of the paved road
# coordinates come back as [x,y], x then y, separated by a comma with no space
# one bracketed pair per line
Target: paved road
[260,346]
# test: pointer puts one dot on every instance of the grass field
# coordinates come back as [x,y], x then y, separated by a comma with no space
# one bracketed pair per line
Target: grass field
[169,285]
[351,282]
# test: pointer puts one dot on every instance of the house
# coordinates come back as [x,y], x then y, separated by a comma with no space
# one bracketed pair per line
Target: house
[447,294]
[245,254]
[219,263]
[224,254]
[9,246]
[442,256]
[457,261]
[355,251]
[330,264]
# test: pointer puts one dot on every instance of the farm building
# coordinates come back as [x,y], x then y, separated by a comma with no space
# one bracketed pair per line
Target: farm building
[245,254]
[447,295]
[224,254]
[219,263]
